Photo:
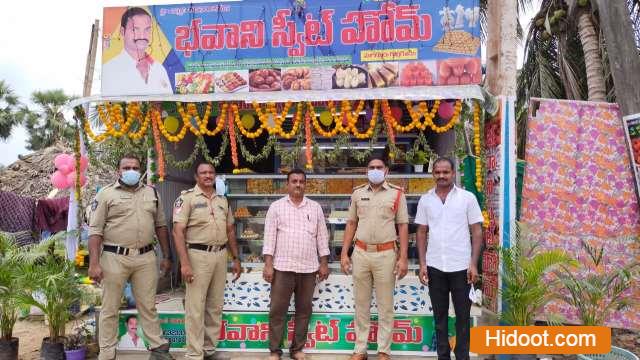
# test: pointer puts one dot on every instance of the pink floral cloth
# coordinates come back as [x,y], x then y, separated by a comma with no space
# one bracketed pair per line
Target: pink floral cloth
[579,185]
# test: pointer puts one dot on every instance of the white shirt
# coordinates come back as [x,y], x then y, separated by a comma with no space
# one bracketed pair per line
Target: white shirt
[126,342]
[121,77]
[449,241]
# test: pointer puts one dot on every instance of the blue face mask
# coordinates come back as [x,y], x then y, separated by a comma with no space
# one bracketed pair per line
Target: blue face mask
[130,177]
[375,176]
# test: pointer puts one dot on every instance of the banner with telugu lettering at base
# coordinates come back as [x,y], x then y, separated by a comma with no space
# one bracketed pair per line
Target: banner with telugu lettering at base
[328,333]
[279,45]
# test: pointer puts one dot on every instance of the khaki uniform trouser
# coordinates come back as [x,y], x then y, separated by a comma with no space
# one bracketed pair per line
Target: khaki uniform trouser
[204,300]
[143,272]
[373,269]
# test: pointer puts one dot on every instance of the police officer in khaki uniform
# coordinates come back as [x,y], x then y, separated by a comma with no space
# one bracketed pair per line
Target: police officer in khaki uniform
[376,208]
[124,218]
[202,229]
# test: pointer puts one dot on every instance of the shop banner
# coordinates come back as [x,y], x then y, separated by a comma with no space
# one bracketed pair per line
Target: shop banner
[330,333]
[632,132]
[281,45]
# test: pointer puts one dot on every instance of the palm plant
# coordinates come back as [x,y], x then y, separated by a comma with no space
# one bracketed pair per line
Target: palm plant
[9,288]
[8,107]
[600,291]
[47,124]
[50,283]
[525,290]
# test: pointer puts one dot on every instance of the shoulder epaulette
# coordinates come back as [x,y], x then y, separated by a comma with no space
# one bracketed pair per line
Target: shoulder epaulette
[360,186]
[397,187]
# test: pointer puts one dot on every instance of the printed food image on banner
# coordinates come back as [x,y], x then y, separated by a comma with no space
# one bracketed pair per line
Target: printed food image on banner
[383,74]
[232,81]
[417,73]
[322,78]
[144,47]
[264,80]
[296,79]
[194,82]
[459,71]
[349,77]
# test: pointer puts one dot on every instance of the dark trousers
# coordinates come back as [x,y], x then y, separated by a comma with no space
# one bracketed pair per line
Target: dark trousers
[286,283]
[440,284]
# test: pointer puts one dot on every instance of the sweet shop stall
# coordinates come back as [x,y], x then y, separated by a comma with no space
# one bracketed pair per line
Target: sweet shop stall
[259,88]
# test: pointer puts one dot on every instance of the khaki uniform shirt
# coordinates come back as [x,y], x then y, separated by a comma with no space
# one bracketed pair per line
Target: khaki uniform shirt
[126,218]
[206,218]
[374,213]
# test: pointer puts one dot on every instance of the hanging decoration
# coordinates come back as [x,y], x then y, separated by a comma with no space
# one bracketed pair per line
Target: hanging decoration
[422,111]
[157,119]
[220,122]
[476,143]
[279,119]
[264,153]
[241,126]
[137,135]
[352,119]
[158,145]
[171,124]
[308,138]
[232,139]
[328,120]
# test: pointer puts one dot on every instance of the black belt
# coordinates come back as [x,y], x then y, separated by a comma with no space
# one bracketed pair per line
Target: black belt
[126,251]
[209,248]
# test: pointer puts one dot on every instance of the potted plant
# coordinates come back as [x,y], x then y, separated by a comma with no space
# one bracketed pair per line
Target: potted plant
[417,159]
[598,293]
[525,290]
[9,302]
[51,285]
[75,345]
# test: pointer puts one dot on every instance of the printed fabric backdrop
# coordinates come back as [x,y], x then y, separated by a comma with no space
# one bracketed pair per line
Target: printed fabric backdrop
[579,185]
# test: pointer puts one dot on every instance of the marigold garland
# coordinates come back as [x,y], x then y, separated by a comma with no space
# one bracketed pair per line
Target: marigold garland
[91,135]
[423,111]
[232,139]
[220,122]
[278,118]
[476,143]
[143,127]
[338,117]
[353,119]
[157,118]
[307,133]
[192,112]
[316,124]
[158,145]
[297,119]
[243,130]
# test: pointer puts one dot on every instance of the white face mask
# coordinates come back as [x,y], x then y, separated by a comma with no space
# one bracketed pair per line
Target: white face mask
[475,295]
[375,176]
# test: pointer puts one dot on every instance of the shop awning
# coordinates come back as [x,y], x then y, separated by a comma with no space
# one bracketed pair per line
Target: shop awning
[394,93]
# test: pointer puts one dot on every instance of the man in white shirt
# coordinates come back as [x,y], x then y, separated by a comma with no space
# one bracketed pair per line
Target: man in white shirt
[130,339]
[134,71]
[449,264]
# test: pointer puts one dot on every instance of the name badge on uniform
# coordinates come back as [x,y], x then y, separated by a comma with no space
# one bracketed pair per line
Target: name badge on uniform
[200,206]
[364,199]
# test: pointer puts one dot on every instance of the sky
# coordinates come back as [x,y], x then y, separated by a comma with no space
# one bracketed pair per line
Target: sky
[50,51]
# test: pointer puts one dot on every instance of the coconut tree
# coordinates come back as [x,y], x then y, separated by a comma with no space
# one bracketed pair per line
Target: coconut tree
[8,107]
[46,123]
